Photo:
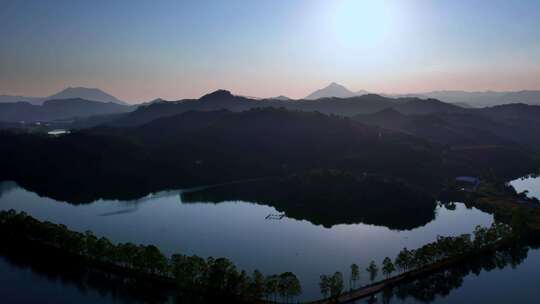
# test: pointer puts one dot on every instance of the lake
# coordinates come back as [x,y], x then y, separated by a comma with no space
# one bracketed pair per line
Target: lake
[237,230]
[528,183]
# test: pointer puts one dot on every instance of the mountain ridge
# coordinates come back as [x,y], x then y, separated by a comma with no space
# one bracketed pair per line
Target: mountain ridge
[331,90]
[58,109]
[222,99]
[91,94]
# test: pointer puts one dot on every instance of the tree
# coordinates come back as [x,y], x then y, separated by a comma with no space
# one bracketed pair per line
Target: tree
[403,260]
[238,283]
[75,243]
[372,270]
[289,285]
[388,267]
[272,285]
[257,284]
[189,272]
[91,241]
[518,223]
[102,248]
[480,236]
[153,260]
[220,271]
[336,285]
[387,295]
[127,253]
[355,276]
[324,285]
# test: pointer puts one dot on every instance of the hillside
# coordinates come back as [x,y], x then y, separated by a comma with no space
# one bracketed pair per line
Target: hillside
[92,94]
[85,93]
[222,99]
[57,110]
[306,196]
[486,98]
[332,90]
[208,147]
[507,125]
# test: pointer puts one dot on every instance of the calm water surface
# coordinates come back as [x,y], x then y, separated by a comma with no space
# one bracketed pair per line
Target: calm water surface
[528,183]
[22,284]
[239,231]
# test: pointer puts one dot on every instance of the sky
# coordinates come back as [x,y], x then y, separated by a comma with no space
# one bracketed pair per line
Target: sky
[141,50]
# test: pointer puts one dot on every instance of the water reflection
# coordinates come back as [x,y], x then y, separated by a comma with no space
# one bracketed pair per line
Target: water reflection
[239,231]
[6,187]
[492,278]
[27,277]
[529,183]
[394,214]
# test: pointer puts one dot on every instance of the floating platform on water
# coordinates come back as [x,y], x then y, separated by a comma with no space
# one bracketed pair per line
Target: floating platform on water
[275,216]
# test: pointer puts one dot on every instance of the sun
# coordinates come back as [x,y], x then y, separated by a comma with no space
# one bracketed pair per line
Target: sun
[364,24]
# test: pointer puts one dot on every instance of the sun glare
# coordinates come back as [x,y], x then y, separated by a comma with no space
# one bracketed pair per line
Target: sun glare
[364,24]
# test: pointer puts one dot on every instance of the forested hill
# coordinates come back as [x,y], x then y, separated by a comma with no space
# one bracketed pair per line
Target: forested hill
[197,148]
[222,99]
[511,125]
[61,109]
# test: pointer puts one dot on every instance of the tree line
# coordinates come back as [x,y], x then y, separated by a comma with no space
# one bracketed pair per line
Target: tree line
[189,273]
[332,286]
[219,275]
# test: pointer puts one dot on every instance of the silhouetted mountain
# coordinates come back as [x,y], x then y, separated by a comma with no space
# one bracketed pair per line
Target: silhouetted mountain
[424,106]
[57,110]
[366,199]
[222,99]
[462,104]
[332,90]
[506,125]
[527,97]
[85,93]
[484,99]
[10,98]
[68,93]
[219,96]
[451,129]
[515,111]
[280,97]
[361,92]
[208,147]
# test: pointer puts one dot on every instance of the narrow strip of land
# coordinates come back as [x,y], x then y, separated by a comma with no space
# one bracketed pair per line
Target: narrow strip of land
[405,277]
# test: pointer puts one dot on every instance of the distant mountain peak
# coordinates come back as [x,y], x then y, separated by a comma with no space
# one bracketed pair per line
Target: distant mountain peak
[92,94]
[281,97]
[334,84]
[218,95]
[388,113]
[332,90]
[337,86]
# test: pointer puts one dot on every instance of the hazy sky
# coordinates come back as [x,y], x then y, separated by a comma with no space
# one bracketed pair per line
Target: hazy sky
[140,50]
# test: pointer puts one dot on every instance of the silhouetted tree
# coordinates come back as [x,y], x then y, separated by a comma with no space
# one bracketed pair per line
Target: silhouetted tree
[372,269]
[388,267]
[336,285]
[324,285]
[355,276]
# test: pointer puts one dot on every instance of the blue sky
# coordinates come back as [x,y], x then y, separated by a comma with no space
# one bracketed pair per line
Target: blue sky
[140,50]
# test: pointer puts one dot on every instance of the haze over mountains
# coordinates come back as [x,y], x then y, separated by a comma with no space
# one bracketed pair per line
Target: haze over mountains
[57,109]
[461,98]
[223,99]
[484,99]
[334,90]
[428,118]
[91,94]
[419,142]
